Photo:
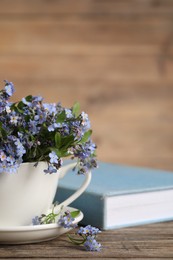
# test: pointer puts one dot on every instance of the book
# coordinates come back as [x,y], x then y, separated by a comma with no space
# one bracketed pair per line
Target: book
[121,196]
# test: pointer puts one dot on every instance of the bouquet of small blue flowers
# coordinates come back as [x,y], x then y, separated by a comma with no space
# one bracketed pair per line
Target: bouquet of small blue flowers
[33,131]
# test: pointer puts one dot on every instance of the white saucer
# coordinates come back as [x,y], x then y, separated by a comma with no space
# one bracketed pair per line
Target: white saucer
[34,234]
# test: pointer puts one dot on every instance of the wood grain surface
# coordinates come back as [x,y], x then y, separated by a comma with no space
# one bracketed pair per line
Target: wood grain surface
[144,242]
[114,57]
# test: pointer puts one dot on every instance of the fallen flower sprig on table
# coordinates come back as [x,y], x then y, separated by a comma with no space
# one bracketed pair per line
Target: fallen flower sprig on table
[85,236]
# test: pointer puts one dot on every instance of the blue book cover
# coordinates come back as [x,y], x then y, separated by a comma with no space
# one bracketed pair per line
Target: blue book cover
[120,196]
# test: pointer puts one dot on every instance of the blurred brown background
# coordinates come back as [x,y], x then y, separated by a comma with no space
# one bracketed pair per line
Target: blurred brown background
[114,56]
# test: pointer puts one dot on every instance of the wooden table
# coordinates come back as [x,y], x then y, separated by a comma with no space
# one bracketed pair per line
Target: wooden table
[144,242]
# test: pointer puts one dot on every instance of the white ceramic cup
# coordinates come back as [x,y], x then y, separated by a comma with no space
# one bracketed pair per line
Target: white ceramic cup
[30,192]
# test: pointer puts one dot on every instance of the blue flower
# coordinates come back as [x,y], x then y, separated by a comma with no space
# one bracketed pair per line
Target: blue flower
[85,121]
[33,126]
[9,88]
[40,117]
[37,99]
[66,220]
[12,168]
[91,244]
[68,113]
[50,169]
[14,119]
[88,231]
[3,167]
[53,157]
[50,108]
[36,221]
[52,127]
[21,151]
[2,106]
[10,160]
[2,156]
[85,150]
[65,130]
[29,104]
[88,238]
[18,143]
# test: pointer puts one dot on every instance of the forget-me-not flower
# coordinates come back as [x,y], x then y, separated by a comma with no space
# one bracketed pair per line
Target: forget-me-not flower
[9,88]
[91,244]
[51,169]
[2,156]
[53,157]
[66,220]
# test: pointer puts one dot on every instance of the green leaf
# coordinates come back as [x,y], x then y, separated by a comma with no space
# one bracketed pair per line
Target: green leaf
[39,152]
[19,107]
[58,139]
[76,109]
[62,145]
[76,241]
[29,98]
[61,117]
[12,107]
[67,141]
[85,137]
[3,133]
[63,153]
[27,118]
[75,213]
[59,153]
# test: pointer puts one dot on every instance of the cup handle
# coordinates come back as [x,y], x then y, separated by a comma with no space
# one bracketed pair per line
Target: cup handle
[77,193]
